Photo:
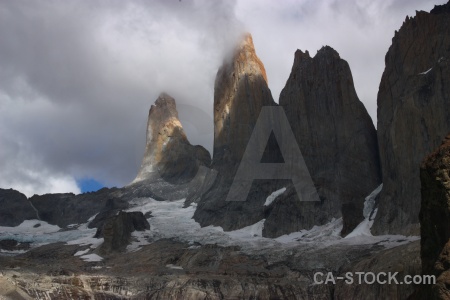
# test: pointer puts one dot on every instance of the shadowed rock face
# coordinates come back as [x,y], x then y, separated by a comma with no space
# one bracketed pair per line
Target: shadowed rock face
[14,208]
[66,209]
[435,220]
[168,153]
[413,114]
[335,134]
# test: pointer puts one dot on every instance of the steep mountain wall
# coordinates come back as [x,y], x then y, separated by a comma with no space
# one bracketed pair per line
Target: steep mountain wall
[335,134]
[413,114]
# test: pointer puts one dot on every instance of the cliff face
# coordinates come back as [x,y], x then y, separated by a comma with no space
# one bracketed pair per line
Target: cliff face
[335,134]
[240,92]
[14,208]
[413,114]
[168,153]
[435,220]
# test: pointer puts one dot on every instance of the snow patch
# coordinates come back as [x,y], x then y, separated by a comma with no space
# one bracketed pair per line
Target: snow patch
[325,233]
[82,252]
[139,239]
[424,73]
[369,215]
[87,240]
[273,196]
[170,266]
[31,227]
[369,202]
[91,257]
[251,231]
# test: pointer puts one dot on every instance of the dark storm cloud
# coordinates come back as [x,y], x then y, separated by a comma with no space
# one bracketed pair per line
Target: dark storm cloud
[78,77]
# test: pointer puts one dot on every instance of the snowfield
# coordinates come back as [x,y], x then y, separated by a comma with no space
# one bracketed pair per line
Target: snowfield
[170,220]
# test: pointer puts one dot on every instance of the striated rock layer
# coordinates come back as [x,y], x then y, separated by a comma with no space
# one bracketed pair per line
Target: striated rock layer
[413,114]
[435,221]
[335,134]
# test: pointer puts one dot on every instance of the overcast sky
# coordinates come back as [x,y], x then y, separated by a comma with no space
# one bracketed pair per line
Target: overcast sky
[77,77]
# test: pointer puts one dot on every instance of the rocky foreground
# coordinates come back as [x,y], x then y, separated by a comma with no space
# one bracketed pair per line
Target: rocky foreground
[156,266]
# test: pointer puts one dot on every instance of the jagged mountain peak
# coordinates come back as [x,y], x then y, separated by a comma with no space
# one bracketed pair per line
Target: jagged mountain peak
[441,9]
[168,151]
[327,51]
[244,59]
[240,91]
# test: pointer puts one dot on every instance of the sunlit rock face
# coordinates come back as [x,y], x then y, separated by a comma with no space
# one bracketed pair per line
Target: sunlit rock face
[168,153]
[240,92]
[413,114]
[335,134]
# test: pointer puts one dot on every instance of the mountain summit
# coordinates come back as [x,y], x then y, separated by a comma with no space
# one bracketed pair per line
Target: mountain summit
[168,153]
[335,134]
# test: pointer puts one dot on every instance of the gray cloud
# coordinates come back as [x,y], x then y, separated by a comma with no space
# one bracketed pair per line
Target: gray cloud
[77,77]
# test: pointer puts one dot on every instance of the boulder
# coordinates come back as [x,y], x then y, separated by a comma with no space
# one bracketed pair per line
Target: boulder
[117,230]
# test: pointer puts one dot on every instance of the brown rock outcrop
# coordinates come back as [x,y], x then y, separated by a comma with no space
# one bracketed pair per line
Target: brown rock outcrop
[413,114]
[435,221]
[336,137]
